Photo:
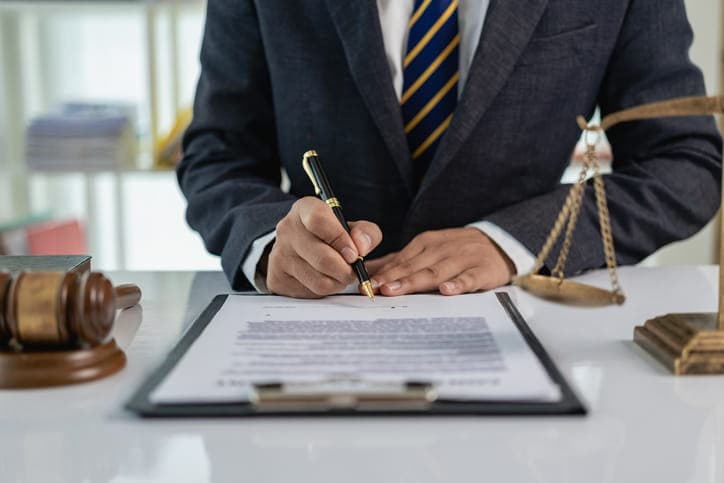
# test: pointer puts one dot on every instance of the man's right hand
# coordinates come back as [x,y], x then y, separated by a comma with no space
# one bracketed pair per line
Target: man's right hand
[312,253]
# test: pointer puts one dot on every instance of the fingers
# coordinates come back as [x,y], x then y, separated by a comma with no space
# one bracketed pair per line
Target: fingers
[470,280]
[412,259]
[312,253]
[315,280]
[321,258]
[366,236]
[291,275]
[425,279]
[294,241]
[374,266]
[318,219]
[451,261]
[284,284]
[494,274]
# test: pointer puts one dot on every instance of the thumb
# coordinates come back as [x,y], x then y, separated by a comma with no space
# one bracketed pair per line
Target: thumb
[365,235]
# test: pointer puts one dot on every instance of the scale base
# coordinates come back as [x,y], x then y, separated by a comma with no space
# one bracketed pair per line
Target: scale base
[57,368]
[685,343]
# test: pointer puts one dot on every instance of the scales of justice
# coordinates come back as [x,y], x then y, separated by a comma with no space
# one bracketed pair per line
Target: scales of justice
[688,343]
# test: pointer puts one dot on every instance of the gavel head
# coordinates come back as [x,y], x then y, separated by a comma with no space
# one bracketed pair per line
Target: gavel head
[55,309]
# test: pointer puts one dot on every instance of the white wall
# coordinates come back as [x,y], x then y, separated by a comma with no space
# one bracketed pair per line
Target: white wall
[12,197]
[706,20]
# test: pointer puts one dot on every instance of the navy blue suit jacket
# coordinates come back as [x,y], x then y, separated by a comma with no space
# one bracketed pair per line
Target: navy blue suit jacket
[283,76]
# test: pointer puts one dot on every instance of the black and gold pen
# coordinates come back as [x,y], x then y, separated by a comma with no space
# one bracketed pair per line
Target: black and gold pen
[313,168]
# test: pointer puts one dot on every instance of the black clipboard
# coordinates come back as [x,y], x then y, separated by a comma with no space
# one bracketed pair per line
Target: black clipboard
[569,404]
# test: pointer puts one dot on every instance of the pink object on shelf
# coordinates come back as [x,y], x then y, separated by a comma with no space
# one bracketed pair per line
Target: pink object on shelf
[57,238]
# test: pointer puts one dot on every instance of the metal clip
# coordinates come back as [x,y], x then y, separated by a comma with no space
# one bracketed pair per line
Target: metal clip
[341,394]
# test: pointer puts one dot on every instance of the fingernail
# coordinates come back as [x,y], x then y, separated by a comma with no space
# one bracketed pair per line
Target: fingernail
[348,254]
[366,241]
[375,284]
[394,285]
[449,286]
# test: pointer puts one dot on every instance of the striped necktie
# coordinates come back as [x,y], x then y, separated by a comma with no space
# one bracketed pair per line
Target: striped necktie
[430,88]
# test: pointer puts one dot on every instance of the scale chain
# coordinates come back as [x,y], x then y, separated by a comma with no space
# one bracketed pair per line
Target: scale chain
[568,205]
[605,224]
[569,215]
[567,240]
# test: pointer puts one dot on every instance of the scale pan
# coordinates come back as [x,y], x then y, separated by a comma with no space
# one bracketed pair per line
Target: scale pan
[568,291]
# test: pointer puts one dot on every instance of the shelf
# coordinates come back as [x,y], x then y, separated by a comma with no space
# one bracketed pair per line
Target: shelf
[136,166]
[49,54]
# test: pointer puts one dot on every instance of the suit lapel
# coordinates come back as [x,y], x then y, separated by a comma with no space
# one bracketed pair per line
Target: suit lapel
[507,30]
[358,26]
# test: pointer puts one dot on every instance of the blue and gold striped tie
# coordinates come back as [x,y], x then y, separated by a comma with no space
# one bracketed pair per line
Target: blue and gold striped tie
[430,89]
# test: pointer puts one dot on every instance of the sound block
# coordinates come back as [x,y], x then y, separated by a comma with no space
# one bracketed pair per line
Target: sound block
[46,263]
[685,343]
[34,369]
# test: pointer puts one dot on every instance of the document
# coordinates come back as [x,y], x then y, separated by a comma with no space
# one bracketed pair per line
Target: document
[466,346]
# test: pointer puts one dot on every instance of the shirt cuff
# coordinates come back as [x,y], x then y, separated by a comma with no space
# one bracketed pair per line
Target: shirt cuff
[250,264]
[521,257]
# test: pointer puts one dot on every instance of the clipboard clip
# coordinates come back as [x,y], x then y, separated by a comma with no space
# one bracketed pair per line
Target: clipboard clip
[342,394]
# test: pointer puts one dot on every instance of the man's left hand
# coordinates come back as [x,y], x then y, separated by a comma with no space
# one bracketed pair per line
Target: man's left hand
[452,261]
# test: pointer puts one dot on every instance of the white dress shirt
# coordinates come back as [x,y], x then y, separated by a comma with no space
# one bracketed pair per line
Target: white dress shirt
[394,17]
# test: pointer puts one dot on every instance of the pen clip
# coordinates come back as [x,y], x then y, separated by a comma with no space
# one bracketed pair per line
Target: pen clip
[308,169]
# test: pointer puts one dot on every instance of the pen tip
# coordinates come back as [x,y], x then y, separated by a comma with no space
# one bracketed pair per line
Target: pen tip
[367,287]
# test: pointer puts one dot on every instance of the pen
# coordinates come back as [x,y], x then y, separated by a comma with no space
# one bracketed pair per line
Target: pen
[313,168]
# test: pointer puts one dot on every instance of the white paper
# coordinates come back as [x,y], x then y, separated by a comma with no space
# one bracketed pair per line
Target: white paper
[466,345]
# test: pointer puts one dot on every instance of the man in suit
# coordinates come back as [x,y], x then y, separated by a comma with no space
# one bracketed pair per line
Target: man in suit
[444,127]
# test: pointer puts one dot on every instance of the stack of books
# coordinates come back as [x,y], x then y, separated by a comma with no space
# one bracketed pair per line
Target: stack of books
[82,137]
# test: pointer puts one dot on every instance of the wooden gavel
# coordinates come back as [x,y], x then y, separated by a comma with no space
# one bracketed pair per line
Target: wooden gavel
[60,309]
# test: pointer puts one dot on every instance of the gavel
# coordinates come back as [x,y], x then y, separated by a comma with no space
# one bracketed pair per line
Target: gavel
[59,309]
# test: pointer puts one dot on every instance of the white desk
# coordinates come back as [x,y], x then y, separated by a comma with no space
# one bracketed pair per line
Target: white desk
[644,425]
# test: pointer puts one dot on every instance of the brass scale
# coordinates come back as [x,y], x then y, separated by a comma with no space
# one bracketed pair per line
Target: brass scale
[686,343]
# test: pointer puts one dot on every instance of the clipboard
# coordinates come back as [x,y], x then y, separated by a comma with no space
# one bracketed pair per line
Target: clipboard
[406,398]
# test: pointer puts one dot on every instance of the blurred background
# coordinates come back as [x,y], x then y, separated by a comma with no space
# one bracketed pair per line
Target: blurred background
[94,96]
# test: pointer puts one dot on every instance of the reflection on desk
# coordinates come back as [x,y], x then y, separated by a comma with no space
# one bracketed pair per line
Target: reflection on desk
[644,425]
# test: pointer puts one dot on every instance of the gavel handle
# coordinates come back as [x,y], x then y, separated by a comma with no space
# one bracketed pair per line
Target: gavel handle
[127,296]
